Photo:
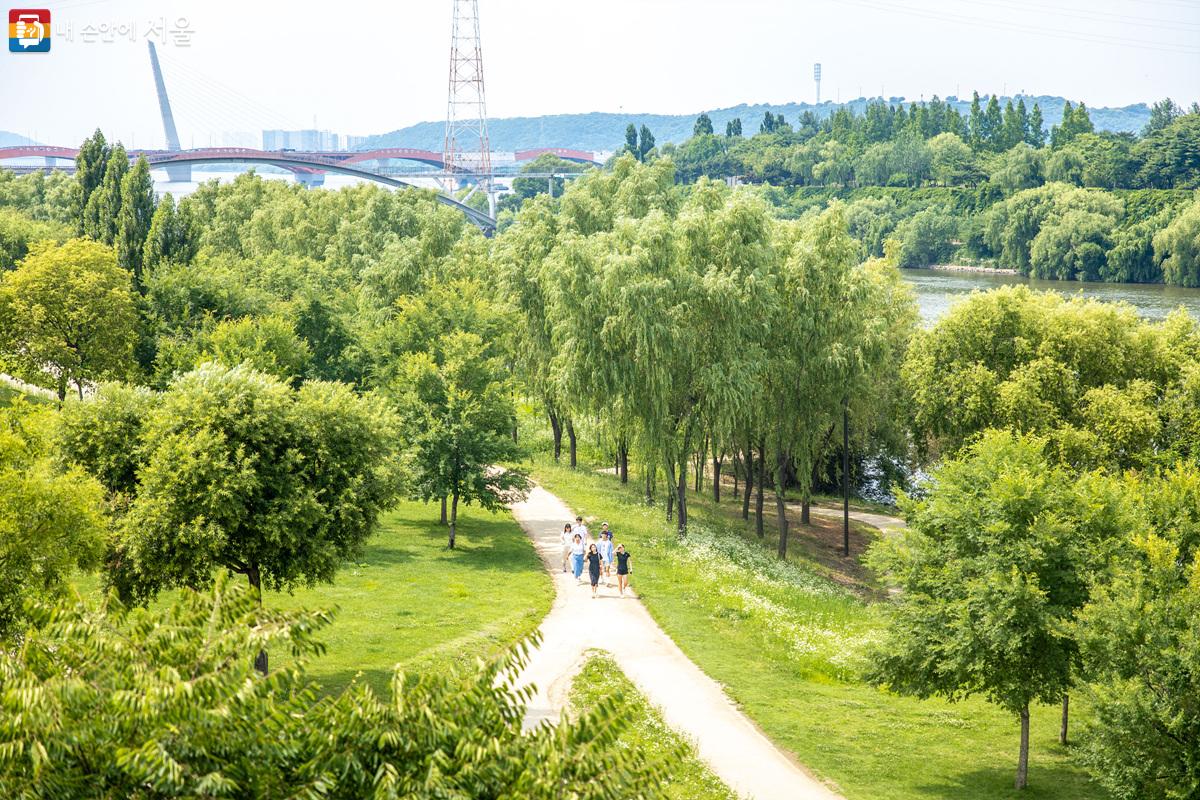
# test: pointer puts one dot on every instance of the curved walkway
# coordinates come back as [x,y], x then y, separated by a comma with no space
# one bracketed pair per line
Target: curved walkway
[885,523]
[689,700]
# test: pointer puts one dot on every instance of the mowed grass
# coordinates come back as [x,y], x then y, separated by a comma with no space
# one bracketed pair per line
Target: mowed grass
[688,778]
[790,646]
[412,602]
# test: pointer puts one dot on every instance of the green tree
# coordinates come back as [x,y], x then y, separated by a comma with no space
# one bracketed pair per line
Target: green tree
[631,140]
[456,404]
[926,238]
[975,124]
[1139,638]
[992,568]
[102,435]
[134,220]
[1017,169]
[1162,114]
[733,127]
[103,209]
[1168,157]
[951,161]
[991,129]
[170,237]
[546,162]
[90,166]
[18,231]
[703,126]
[645,143]
[1072,246]
[51,520]
[1037,128]
[1177,247]
[240,472]
[67,316]
[815,350]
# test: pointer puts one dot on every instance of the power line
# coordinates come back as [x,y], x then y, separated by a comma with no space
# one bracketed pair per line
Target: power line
[881,5]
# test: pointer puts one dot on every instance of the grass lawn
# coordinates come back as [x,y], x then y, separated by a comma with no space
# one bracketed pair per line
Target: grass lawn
[689,777]
[411,601]
[9,394]
[788,644]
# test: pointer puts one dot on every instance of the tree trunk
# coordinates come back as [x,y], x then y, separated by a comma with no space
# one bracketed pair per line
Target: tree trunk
[556,430]
[717,463]
[702,456]
[514,433]
[681,500]
[453,518]
[737,474]
[651,469]
[1062,731]
[255,577]
[748,463]
[781,462]
[762,478]
[805,518]
[573,442]
[623,463]
[670,476]
[443,509]
[1023,759]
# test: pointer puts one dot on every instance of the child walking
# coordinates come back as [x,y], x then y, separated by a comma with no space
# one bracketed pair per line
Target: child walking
[606,553]
[623,569]
[577,555]
[593,559]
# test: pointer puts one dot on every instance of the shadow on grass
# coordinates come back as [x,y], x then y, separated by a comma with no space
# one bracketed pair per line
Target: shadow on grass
[1045,781]
[334,683]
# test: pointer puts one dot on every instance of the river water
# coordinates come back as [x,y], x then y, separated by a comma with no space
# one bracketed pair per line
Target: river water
[938,290]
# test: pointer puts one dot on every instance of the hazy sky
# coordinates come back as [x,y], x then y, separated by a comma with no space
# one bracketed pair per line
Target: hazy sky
[361,67]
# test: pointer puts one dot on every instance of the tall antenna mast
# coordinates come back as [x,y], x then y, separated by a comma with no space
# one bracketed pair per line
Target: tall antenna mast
[466,150]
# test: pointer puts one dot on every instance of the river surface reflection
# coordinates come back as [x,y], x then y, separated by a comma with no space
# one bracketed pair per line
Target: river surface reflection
[937,290]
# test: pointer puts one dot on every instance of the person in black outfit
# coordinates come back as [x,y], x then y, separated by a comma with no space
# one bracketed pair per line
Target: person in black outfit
[623,569]
[593,564]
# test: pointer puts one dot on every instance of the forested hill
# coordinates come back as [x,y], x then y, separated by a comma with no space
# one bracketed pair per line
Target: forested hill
[10,139]
[604,131]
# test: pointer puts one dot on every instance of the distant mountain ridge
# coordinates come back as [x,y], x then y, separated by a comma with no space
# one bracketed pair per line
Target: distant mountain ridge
[10,139]
[606,131]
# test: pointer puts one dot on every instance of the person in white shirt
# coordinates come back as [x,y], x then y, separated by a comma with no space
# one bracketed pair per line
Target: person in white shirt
[582,530]
[567,536]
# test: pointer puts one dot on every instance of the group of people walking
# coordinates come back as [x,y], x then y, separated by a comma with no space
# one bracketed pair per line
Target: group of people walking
[579,548]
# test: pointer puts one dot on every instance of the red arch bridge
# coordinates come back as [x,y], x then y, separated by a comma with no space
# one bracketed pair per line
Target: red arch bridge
[310,167]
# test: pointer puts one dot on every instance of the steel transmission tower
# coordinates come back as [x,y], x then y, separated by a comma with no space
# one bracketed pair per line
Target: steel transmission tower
[466,148]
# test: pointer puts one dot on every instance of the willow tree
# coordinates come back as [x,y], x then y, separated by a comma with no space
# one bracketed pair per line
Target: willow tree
[652,315]
[520,256]
[818,339]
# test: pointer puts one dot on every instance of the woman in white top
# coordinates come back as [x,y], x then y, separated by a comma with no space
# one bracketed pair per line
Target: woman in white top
[578,548]
[566,538]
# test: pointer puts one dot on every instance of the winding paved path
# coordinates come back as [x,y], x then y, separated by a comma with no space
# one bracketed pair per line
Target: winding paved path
[690,701]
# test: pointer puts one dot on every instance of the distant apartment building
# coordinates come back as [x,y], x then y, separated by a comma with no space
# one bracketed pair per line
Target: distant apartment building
[305,140]
[239,139]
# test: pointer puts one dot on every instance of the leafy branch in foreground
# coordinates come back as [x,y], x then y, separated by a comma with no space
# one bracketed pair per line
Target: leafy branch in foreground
[100,701]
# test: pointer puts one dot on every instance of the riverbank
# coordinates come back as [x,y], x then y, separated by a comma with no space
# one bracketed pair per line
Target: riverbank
[971,268]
